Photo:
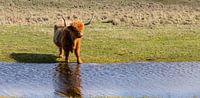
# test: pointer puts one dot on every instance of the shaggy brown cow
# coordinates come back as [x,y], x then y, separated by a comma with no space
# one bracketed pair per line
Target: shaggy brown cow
[68,38]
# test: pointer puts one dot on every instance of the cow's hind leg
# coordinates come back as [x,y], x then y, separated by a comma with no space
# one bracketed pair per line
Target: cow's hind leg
[61,54]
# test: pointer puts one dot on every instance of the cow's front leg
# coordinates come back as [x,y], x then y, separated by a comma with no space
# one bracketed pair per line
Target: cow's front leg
[67,55]
[77,53]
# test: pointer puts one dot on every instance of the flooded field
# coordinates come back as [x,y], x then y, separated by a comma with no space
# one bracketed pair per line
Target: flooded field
[55,80]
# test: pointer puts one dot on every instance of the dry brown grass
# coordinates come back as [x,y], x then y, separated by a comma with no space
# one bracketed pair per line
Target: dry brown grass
[118,12]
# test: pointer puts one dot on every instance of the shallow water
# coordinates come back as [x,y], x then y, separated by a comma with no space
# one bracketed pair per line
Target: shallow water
[167,80]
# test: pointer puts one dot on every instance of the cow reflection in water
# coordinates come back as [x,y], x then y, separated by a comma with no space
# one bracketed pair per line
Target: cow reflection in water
[67,80]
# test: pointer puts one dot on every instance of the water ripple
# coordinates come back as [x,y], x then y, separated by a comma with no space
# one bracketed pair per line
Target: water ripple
[161,79]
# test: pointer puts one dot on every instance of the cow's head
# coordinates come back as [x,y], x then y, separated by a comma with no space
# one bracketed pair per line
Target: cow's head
[76,28]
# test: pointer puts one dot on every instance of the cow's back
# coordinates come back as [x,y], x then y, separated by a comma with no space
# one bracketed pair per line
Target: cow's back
[58,33]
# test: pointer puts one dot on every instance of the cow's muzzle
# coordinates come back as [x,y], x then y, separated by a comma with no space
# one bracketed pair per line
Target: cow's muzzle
[79,35]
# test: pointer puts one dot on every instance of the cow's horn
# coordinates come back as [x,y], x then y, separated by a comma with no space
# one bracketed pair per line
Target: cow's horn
[87,23]
[64,21]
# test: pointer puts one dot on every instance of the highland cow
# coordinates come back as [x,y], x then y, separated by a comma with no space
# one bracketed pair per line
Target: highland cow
[68,38]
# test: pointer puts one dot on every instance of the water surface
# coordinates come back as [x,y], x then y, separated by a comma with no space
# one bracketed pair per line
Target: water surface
[160,79]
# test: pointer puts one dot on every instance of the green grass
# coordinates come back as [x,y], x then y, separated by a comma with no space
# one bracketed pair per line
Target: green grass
[103,43]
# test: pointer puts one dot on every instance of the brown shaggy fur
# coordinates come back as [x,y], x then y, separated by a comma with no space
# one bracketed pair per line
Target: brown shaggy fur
[68,39]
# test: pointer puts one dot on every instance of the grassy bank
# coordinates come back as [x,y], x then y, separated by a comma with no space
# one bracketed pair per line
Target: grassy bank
[103,43]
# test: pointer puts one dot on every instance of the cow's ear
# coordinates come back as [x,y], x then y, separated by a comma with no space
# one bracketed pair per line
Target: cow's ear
[70,28]
[65,29]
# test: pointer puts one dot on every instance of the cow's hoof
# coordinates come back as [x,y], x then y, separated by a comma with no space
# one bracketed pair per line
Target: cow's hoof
[66,60]
[79,61]
[62,56]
